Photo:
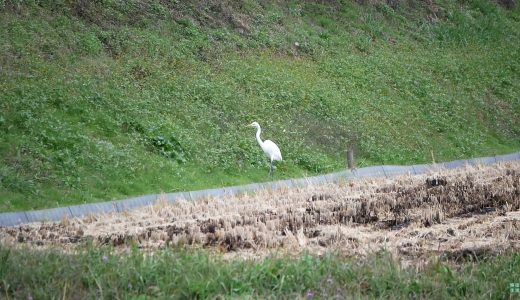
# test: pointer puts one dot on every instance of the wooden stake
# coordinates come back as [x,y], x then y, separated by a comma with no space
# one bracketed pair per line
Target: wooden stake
[350,159]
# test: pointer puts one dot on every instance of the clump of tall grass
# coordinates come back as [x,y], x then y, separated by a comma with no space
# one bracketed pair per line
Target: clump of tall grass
[176,273]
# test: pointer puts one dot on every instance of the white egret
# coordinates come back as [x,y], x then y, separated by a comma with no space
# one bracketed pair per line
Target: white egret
[270,149]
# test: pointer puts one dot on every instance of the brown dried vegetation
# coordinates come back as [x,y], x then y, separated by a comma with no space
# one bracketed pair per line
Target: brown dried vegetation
[455,212]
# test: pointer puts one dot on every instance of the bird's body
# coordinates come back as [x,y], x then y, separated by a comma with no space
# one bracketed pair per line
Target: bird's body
[270,149]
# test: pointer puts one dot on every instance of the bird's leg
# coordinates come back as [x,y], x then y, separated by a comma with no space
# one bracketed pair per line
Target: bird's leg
[271,170]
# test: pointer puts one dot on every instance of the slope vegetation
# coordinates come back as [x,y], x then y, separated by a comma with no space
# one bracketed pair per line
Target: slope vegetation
[107,99]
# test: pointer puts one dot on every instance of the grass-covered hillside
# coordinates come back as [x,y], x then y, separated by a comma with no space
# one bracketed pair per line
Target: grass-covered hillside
[107,99]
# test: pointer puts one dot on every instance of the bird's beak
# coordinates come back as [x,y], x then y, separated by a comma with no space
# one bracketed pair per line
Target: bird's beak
[250,125]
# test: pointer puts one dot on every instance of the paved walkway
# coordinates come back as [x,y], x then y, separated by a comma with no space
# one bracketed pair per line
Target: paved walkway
[56,214]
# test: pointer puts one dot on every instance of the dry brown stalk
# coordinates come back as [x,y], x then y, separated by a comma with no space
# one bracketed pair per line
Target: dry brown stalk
[412,216]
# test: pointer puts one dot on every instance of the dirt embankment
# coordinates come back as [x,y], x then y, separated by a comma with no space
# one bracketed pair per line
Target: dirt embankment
[459,212]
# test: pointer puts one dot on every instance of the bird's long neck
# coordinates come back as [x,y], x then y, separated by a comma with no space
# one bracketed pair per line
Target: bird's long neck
[258,131]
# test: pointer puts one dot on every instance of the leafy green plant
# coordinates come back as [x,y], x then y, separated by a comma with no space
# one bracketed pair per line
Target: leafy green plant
[169,147]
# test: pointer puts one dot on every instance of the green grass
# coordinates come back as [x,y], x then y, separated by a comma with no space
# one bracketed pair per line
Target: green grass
[109,99]
[175,273]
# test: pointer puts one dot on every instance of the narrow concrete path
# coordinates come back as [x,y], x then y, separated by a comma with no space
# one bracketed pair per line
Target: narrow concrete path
[56,214]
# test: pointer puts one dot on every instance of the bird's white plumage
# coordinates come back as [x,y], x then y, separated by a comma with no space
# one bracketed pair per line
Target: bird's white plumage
[270,149]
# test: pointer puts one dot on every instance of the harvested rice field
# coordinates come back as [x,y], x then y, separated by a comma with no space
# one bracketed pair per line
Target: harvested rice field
[454,213]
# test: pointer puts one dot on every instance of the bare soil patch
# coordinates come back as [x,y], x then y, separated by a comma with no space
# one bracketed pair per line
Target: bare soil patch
[460,214]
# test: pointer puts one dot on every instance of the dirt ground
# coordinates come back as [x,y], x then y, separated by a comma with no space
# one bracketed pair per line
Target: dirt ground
[458,213]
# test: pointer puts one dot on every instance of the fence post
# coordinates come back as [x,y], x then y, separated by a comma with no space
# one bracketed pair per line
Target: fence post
[350,159]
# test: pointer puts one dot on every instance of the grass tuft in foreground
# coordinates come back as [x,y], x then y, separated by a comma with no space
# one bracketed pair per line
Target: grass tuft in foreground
[176,273]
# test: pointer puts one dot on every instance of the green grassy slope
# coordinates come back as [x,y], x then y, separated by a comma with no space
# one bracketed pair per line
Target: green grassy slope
[107,99]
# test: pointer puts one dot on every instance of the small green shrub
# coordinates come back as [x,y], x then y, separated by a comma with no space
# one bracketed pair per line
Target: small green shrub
[168,147]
